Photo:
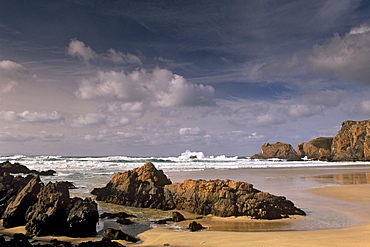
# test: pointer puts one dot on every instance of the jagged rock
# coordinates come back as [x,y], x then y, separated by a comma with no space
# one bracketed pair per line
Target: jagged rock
[316,149]
[56,214]
[116,215]
[195,226]
[82,217]
[13,168]
[113,234]
[141,187]
[14,214]
[217,197]
[278,150]
[352,143]
[43,173]
[10,186]
[177,217]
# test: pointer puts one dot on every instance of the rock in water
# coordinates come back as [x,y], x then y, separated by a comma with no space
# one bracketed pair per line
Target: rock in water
[278,150]
[316,149]
[13,168]
[177,217]
[195,226]
[15,213]
[141,187]
[113,234]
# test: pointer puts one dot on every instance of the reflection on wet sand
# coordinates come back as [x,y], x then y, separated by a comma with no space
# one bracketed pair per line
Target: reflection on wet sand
[344,179]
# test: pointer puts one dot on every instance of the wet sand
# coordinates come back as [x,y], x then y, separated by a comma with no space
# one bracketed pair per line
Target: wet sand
[336,200]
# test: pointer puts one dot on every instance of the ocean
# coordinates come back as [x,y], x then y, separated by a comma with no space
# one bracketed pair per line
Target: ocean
[279,177]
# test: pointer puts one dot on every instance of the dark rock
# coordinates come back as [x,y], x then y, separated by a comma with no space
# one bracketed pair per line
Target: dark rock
[278,150]
[43,173]
[113,234]
[195,226]
[15,212]
[162,222]
[56,214]
[316,149]
[177,217]
[124,221]
[141,187]
[82,217]
[116,215]
[13,168]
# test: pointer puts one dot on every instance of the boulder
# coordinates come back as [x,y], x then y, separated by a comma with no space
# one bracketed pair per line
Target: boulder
[55,213]
[195,226]
[177,217]
[102,243]
[15,212]
[141,187]
[316,149]
[352,143]
[278,150]
[82,216]
[113,234]
[228,198]
[218,197]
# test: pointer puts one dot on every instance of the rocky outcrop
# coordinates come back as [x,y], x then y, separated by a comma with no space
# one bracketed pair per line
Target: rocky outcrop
[55,213]
[316,149]
[278,150]
[141,187]
[352,143]
[8,167]
[15,212]
[217,197]
[113,234]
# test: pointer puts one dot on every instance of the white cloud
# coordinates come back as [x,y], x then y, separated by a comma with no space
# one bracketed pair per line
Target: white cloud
[192,131]
[301,110]
[84,52]
[160,88]
[79,49]
[346,58]
[361,109]
[11,74]
[32,117]
[89,120]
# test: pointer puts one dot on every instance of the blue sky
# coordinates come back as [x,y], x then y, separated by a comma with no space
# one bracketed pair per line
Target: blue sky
[161,77]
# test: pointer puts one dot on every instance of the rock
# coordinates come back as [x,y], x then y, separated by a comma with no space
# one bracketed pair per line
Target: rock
[352,143]
[116,215]
[218,197]
[278,150]
[82,217]
[228,198]
[316,149]
[195,226]
[56,214]
[102,243]
[43,173]
[141,187]
[10,186]
[113,234]
[13,168]
[124,221]
[177,217]
[15,212]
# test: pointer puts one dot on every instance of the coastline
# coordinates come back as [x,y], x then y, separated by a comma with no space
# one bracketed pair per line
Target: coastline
[343,191]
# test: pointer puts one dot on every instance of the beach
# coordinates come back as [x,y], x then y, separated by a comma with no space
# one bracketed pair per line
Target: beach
[335,198]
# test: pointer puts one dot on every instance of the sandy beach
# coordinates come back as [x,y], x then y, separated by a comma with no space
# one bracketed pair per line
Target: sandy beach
[336,199]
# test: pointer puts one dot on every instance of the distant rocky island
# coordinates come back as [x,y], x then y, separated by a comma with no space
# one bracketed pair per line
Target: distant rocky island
[352,143]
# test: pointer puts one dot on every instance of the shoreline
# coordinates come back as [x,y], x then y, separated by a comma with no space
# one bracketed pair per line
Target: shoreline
[343,191]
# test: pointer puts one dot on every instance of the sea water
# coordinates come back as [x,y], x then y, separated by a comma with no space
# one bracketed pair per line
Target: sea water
[279,177]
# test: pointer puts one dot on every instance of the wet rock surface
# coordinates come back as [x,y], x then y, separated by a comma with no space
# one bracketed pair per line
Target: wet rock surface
[278,150]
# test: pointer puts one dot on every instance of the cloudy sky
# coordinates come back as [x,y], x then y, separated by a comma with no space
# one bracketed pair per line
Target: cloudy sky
[119,77]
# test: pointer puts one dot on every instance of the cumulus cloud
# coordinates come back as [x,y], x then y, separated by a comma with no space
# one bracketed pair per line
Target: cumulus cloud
[11,74]
[160,88]
[192,131]
[89,120]
[361,109]
[346,58]
[32,117]
[84,52]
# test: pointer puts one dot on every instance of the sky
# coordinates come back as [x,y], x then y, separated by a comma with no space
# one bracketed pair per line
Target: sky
[156,78]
